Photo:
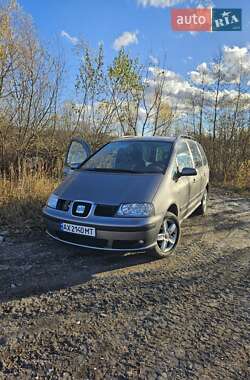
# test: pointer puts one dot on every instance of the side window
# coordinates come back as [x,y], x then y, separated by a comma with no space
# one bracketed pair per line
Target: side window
[204,158]
[196,154]
[183,156]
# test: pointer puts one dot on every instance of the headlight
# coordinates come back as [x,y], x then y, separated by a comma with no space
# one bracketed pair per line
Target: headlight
[138,210]
[52,201]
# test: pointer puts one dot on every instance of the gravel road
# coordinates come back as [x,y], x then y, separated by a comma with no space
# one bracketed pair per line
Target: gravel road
[72,314]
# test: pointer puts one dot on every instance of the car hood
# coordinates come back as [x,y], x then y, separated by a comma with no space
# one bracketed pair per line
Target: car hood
[109,188]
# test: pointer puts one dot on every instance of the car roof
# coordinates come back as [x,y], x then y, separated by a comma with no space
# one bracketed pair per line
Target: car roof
[153,138]
[146,138]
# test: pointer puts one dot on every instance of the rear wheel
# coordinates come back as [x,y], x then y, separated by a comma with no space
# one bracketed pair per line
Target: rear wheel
[168,237]
[202,209]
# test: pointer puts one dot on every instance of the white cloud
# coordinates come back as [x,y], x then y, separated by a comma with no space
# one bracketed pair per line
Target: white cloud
[167,74]
[204,4]
[170,3]
[154,60]
[183,94]
[159,3]
[176,90]
[236,59]
[186,60]
[202,74]
[125,39]
[235,62]
[71,39]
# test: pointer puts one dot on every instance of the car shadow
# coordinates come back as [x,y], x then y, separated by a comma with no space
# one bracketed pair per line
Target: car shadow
[36,267]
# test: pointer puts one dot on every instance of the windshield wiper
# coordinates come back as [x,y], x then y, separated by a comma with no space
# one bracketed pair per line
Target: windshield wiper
[111,170]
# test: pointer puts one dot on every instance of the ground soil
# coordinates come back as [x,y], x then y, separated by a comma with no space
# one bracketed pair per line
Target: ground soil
[72,314]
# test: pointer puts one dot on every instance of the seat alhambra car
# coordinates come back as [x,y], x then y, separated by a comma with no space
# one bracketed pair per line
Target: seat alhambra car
[130,195]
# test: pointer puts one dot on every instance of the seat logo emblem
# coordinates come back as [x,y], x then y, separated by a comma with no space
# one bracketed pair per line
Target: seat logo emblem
[80,209]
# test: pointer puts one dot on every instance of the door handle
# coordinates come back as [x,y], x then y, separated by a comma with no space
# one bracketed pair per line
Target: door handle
[194,180]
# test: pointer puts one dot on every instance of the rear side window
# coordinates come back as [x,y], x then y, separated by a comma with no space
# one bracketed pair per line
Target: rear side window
[183,157]
[204,158]
[196,154]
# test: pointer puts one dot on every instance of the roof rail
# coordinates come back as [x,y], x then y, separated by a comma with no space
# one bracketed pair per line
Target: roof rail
[186,137]
[127,136]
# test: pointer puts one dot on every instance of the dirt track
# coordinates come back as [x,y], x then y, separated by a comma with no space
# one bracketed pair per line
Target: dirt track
[67,314]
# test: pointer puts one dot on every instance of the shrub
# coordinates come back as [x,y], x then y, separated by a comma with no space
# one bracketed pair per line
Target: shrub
[23,192]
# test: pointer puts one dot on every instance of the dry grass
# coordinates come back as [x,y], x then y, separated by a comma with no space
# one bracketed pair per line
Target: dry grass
[243,176]
[241,182]
[22,195]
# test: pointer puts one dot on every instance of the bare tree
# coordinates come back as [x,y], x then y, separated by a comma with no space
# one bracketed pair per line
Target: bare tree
[217,73]
[139,97]
[29,87]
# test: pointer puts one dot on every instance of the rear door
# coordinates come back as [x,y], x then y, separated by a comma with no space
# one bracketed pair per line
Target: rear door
[182,186]
[197,183]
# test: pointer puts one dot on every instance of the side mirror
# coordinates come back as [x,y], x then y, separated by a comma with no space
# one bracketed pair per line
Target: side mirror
[188,172]
[74,166]
[78,151]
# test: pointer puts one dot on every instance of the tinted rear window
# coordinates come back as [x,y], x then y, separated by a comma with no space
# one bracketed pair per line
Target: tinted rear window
[204,158]
[196,154]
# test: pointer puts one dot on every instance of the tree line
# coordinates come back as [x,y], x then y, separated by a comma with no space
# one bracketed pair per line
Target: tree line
[125,97]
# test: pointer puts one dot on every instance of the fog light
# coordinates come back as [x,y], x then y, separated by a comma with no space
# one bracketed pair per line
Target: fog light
[141,241]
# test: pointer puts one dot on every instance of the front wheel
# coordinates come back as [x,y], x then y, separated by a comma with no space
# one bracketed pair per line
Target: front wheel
[168,237]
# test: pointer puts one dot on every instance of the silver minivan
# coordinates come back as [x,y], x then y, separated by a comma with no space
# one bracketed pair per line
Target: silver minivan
[130,195]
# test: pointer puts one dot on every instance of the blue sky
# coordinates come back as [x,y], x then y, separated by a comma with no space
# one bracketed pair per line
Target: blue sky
[149,25]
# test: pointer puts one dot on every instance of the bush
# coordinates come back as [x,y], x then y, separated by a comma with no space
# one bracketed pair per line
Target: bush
[23,192]
[243,176]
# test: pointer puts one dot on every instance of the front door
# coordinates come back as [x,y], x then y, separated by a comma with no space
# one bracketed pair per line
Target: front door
[78,151]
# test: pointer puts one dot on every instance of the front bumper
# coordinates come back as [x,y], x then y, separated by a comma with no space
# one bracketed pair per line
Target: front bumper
[112,234]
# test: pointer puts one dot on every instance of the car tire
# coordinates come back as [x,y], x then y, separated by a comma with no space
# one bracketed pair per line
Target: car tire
[202,209]
[168,237]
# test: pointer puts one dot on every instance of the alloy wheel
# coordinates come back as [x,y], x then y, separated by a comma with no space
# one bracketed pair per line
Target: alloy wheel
[168,235]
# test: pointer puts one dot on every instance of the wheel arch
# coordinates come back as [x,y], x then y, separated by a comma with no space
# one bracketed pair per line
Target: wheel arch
[174,209]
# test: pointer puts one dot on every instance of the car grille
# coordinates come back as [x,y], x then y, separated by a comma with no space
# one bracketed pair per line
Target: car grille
[81,209]
[106,210]
[81,240]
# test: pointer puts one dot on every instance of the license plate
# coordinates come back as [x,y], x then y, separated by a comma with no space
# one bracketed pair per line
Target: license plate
[79,230]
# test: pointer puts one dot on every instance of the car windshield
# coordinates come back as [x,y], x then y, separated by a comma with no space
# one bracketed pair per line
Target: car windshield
[131,157]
